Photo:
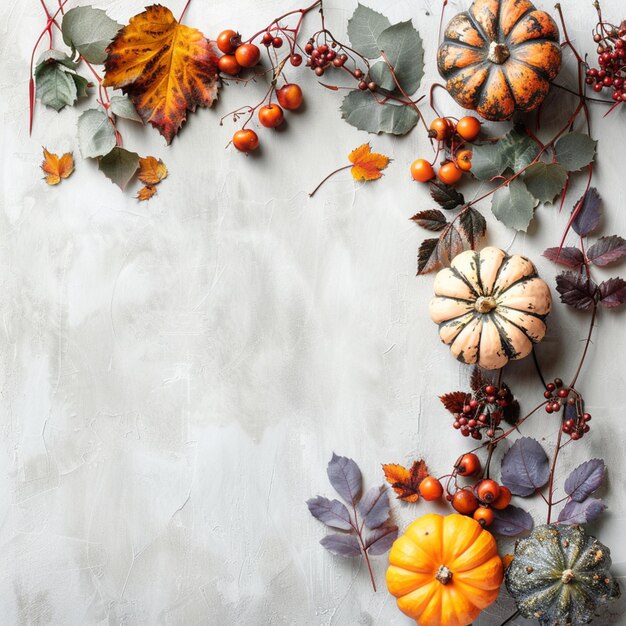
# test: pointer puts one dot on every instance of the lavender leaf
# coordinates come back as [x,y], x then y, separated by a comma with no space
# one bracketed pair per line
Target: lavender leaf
[345,476]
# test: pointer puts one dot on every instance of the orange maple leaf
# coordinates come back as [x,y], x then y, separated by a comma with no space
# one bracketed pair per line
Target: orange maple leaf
[166,68]
[368,165]
[151,170]
[145,193]
[56,167]
[405,482]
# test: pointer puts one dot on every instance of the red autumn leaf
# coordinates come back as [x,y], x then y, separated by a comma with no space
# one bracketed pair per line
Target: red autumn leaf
[454,401]
[405,482]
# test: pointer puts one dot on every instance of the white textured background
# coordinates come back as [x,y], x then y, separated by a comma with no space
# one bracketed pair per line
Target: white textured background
[176,374]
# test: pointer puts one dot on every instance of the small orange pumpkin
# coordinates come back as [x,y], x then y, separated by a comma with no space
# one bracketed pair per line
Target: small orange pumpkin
[444,570]
[490,307]
[500,56]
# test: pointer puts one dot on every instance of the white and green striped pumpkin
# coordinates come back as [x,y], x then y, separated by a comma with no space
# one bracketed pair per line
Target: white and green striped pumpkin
[490,307]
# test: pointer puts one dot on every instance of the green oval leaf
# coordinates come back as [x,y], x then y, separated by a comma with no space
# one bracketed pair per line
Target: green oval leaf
[514,205]
[363,111]
[575,150]
[119,166]
[96,136]
[545,180]
[89,31]
[488,160]
[364,27]
[402,46]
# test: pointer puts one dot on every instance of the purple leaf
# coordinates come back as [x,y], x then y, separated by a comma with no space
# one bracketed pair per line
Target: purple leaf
[585,479]
[431,219]
[587,217]
[525,467]
[341,545]
[568,256]
[582,512]
[612,292]
[607,250]
[345,476]
[381,539]
[374,507]
[511,521]
[576,290]
[331,512]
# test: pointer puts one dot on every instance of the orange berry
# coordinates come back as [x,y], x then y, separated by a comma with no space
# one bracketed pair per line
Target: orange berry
[464,501]
[290,96]
[271,115]
[248,55]
[487,490]
[503,500]
[430,488]
[449,173]
[228,65]
[469,465]
[464,160]
[422,170]
[441,128]
[246,140]
[228,40]
[484,516]
[468,128]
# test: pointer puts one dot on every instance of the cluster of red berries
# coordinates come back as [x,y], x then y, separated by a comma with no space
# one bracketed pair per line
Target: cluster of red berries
[322,56]
[451,137]
[557,396]
[478,500]
[483,412]
[611,73]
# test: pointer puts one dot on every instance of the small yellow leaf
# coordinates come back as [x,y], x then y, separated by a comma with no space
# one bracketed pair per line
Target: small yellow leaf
[368,165]
[151,170]
[56,167]
[145,193]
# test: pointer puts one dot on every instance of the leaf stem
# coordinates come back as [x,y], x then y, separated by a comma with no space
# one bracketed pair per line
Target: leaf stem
[552,471]
[587,342]
[363,548]
[339,169]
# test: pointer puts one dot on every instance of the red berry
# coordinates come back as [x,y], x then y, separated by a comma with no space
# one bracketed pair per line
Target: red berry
[430,488]
[296,59]
[271,115]
[464,501]
[484,516]
[246,140]
[227,41]
[490,390]
[290,96]
[277,42]
[503,500]
[487,490]
[469,465]
[248,55]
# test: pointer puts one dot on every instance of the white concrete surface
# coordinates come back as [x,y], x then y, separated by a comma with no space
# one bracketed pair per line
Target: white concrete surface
[176,374]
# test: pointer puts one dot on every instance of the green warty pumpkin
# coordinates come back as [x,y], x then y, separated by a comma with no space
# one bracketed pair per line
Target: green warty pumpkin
[560,576]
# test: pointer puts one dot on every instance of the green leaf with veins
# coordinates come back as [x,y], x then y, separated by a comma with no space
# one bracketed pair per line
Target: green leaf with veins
[518,148]
[514,205]
[123,107]
[488,160]
[545,180]
[364,27]
[403,48]
[96,136]
[380,74]
[57,84]
[89,31]
[363,111]
[119,165]
[575,150]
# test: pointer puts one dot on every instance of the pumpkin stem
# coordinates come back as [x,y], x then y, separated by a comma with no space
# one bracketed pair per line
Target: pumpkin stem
[484,304]
[443,575]
[498,53]
[567,576]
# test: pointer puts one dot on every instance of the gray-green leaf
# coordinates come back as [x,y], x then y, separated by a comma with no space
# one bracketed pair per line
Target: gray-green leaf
[518,148]
[364,27]
[361,110]
[81,85]
[123,107]
[402,46]
[96,136]
[545,180]
[55,86]
[89,31]
[575,150]
[488,160]
[514,205]
[119,165]
[380,74]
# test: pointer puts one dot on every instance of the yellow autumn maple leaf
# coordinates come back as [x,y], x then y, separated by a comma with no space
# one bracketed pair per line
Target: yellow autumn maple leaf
[367,165]
[151,170]
[405,482]
[164,67]
[56,167]
[145,193]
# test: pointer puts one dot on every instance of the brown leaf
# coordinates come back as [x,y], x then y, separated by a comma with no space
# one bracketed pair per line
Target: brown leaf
[454,401]
[56,167]
[151,170]
[478,379]
[145,193]
[368,165]
[405,482]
